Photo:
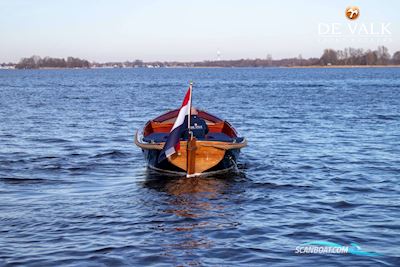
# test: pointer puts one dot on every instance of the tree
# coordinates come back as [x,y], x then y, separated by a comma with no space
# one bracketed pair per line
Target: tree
[328,57]
[28,63]
[36,62]
[383,55]
[77,63]
[396,58]
[371,57]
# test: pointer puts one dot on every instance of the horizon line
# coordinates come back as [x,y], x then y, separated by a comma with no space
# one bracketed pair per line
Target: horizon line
[195,61]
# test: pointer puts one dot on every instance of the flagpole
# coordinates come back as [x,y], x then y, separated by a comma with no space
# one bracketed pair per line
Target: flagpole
[190,106]
[190,134]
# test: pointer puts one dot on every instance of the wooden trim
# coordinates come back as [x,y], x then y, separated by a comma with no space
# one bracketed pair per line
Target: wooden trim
[215,144]
[161,127]
[216,127]
[158,146]
[225,146]
[191,156]
[228,129]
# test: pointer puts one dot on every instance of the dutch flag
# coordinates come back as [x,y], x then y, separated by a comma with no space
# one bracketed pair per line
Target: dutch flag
[173,145]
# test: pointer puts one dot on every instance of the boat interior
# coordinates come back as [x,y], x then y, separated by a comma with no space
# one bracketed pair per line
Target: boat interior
[157,130]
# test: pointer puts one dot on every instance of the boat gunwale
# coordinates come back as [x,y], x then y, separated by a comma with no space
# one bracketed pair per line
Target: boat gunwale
[212,144]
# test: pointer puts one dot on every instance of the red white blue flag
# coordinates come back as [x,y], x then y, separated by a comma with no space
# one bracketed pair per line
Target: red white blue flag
[173,144]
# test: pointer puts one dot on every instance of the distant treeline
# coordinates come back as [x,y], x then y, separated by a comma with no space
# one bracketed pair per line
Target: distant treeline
[330,57]
[348,56]
[36,62]
[352,56]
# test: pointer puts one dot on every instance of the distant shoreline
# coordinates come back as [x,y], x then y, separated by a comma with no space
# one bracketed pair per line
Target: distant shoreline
[343,66]
[219,67]
[331,58]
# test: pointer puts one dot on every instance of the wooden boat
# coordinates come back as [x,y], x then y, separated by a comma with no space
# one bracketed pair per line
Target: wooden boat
[217,152]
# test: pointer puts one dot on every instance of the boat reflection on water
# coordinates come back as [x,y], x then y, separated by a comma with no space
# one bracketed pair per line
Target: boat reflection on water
[190,197]
[198,205]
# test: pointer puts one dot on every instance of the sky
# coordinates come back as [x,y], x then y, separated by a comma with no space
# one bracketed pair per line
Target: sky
[178,30]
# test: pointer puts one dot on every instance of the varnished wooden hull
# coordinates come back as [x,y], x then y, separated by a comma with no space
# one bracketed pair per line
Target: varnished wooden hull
[227,163]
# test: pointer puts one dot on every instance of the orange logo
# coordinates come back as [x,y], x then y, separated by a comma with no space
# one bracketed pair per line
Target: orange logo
[352,12]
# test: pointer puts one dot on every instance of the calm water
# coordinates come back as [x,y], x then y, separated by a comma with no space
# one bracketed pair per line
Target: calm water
[323,163]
